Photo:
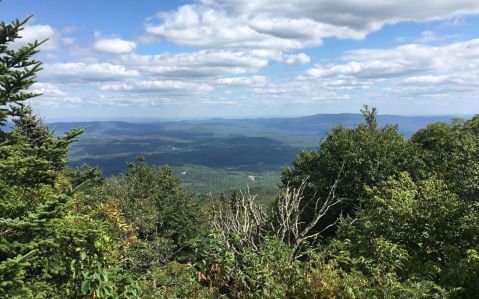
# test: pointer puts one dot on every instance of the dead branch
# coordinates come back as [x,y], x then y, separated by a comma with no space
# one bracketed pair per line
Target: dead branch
[252,225]
[5,232]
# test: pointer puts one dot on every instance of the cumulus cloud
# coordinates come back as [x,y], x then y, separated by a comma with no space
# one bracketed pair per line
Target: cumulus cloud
[272,90]
[331,96]
[228,92]
[49,56]
[266,53]
[222,102]
[68,41]
[194,65]
[244,81]
[292,24]
[72,29]
[405,72]
[178,87]
[114,46]
[427,37]
[202,27]
[462,83]
[408,60]
[353,13]
[72,100]
[81,72]
[46,103]
[298,59]
[432,80]
[47,89]
[295,92]
[32,33]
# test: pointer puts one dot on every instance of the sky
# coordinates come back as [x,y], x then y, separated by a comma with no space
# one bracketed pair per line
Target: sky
[262,58]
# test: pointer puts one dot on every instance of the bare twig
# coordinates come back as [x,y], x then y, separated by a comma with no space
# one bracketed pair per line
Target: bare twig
[127,259]
[5,232]
[252,225]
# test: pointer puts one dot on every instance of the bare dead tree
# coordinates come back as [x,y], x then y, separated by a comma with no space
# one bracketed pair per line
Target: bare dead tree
[245,219]
[287,219]
[253,225]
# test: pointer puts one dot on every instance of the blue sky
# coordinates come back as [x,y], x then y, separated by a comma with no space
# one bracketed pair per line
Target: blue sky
[234,58]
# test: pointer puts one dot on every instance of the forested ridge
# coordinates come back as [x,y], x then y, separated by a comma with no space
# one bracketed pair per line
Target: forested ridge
[368,214]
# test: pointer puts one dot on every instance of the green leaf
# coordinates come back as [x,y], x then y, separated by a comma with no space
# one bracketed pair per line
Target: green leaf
[73,264]
[85,287]
[105,277]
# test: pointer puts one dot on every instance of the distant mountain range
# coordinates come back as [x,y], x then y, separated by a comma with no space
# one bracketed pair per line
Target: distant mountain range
[307,125]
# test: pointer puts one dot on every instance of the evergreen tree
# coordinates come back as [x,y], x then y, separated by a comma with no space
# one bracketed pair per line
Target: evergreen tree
[26,156]
[167,218]
[17,70]
[223,200]
[31,127]
[92,176]
[233,199]
[47,248]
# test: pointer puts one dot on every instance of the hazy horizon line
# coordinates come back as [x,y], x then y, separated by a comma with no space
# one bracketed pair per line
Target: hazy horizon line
[163,119]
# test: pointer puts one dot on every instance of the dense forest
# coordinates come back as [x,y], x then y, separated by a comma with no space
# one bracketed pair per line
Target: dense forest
[368,214]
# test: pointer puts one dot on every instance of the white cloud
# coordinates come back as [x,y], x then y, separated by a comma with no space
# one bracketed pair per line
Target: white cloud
[47,89]
[372,69]
[463,83]
[244,81]
[84,54]
[198,64]
[32,33]
[275,90]
[268,54]
[116,87]
[458,21]
[161,98]
[405,72]
[331,96]
[405,60]
[427,37]
[228,92]
[81,72]
[292,24]
[177,87]
[298,59]
[353,13]
[72,100]
[46,103]
[202,27]
[114,46]
[222,102]
[68,41]
[49,56]
[428,79]
[72,29]
[295,92]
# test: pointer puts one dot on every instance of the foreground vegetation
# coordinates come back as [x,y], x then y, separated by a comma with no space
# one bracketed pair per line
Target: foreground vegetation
[367,215]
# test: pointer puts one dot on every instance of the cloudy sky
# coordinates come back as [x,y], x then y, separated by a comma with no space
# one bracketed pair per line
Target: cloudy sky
[234,58]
